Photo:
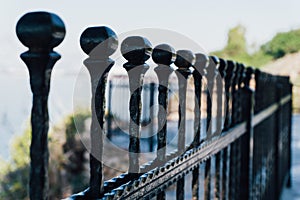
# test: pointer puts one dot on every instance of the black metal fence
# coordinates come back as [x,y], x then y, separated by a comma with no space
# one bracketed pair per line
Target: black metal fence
[244,152]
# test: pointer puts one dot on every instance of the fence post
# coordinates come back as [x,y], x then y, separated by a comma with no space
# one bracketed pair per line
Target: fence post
[40,32]
[151,128]
[247,106]
[238,119]
[289,181]
[229,75]
[233,146]
[136,50]
[219,91]
[164,56]
[278,129]
[199,71]
[210,77]
[109,110]
[234,93]
[98,43]
[184,60]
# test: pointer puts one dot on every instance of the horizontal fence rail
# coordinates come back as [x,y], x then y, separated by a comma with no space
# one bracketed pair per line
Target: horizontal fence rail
[233,135]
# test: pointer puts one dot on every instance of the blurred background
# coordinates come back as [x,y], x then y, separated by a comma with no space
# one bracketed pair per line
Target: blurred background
[263,34]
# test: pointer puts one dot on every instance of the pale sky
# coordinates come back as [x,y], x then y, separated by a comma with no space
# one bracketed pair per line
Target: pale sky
[205,22]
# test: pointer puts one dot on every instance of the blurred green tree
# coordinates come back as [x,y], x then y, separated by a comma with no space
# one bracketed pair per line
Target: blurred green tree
[67,174]
[282,44]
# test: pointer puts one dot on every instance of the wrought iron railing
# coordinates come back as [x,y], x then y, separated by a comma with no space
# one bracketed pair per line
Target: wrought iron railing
[245,151]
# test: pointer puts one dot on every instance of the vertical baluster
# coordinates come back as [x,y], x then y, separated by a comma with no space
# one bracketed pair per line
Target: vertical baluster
[256,143]
[260,137]
[236,115]
[242,75]
[281,123]
[220,92]
[217,176]
[229,75]
[248,76]
[258,91]
[219,88]
[184,60]
[289,85]
[239,118]
[228,83]
[272,138]
[247,177]
[232,159]
[40,32]
[247,103]
[210,76]
[163,55]
[232,168]
[281,157]
[109,109]
[98,43]
[224,173]
[267,137]
[136,50]
[199,70]
[234,94]
[151,128]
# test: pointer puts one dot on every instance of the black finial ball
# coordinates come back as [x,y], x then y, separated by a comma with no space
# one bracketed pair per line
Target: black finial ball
[215,60]
[223,62]
[184,59]
[222,66]
[231,66]
[99,41]
[40,30]
[136,49]
[163,54]
[201,60]
[249,70]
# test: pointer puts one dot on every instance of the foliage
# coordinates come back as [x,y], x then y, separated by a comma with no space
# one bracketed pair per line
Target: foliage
[20,149]
[236,44]
[75,123]
[278,46]
[282,44]
[236,49]
[14,175]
